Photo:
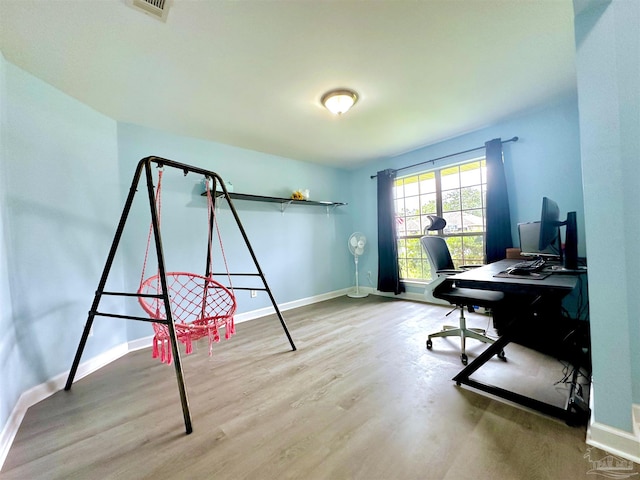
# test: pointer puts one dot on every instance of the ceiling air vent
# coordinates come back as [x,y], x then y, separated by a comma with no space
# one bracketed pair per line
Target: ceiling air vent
[154,8]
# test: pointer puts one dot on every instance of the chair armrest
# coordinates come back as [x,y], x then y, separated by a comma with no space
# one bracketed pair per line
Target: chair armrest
[448,272]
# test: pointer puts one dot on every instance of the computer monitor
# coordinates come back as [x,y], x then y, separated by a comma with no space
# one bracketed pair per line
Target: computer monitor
[550,233]
[549,225]
[529,235]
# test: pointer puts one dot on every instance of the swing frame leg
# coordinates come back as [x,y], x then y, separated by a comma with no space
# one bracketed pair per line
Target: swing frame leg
[236,217]
[146,164]
[177,362]
[161,266]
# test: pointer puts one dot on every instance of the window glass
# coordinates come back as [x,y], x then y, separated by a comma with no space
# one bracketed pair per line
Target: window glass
[458,194]
[428,204]
[450,200]
[428,182]
[412,205]
[450,178]
[470,174]
[411,186]
[398,190]
[471,197]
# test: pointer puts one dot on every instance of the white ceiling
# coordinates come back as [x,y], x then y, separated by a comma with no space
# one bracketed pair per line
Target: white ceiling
[251,73]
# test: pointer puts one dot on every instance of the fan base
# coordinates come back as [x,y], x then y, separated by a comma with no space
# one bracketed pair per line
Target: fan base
[357,295]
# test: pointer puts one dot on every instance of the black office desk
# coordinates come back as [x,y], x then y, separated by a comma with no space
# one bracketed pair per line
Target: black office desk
[554,287]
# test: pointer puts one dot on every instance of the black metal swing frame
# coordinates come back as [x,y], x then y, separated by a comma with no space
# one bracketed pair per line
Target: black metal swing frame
[145,164]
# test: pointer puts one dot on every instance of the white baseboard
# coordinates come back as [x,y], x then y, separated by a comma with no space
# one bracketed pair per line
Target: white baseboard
[426,297]
[613,440]
[140,343]
[414,297]
[48,388]
[261,312]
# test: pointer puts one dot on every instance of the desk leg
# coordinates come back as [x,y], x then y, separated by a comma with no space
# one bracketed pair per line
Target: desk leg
[578,411]
[493,349]
[568,414]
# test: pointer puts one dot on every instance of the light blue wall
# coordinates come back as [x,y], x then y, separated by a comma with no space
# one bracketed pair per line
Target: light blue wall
[59,192]
[608,65]
[64,171]
[8,356]
[545,161]
[302,251]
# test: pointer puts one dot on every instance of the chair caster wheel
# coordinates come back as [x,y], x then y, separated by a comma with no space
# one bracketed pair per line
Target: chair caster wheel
[502,356]
[463,358]
[429,344]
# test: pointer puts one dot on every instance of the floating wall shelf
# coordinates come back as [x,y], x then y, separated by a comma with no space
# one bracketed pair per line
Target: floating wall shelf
[284,202]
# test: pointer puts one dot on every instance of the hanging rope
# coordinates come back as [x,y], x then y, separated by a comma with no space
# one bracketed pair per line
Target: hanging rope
[211,213]
[200,306]
[158,210]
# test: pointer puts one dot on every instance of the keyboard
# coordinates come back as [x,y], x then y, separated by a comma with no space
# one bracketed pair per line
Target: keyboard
[528,266]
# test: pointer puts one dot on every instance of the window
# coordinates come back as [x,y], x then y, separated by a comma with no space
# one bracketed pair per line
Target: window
[457,193]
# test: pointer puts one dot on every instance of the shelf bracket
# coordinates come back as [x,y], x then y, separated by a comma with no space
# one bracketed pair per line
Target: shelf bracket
[331,208]
[284,205]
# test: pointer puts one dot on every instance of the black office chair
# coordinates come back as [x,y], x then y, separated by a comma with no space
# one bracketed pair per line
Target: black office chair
[463,298]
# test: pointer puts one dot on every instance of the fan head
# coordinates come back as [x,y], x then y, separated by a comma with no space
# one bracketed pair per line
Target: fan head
[357,242]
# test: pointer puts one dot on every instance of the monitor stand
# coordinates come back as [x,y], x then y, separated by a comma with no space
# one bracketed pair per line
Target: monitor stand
[569,271]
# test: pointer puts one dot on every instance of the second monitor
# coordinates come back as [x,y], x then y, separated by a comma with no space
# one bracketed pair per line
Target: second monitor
[529,235]
[550,236]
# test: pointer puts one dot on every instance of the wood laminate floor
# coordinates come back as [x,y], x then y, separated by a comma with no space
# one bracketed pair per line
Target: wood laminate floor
[361,398]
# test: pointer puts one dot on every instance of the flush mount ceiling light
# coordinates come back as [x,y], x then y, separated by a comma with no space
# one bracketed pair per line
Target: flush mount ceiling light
[339,101]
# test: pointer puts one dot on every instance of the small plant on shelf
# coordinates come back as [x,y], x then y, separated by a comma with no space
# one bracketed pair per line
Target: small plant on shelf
[300,195]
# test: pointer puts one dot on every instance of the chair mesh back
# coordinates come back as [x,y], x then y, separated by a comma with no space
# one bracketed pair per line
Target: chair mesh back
[438,252]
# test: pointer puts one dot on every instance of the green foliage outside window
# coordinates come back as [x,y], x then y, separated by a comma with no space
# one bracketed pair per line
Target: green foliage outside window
[458,194]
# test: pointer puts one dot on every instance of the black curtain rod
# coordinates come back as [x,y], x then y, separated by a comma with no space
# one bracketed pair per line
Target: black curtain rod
[514,139]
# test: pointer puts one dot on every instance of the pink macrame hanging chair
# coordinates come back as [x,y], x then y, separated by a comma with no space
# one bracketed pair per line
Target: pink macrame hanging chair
[200,306]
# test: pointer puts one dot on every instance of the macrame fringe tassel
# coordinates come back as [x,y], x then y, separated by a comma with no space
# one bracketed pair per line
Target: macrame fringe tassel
[166,352]
[186,339]
[230,328]
[214,337]
[155,353]
[161,346]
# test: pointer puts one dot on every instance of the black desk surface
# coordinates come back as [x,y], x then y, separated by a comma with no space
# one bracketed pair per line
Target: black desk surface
[483,278]
[553,287]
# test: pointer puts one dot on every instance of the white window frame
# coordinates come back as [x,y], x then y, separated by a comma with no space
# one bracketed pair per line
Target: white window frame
[412,205]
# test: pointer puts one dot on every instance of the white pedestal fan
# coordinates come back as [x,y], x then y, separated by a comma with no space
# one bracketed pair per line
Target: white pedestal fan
[356,243]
